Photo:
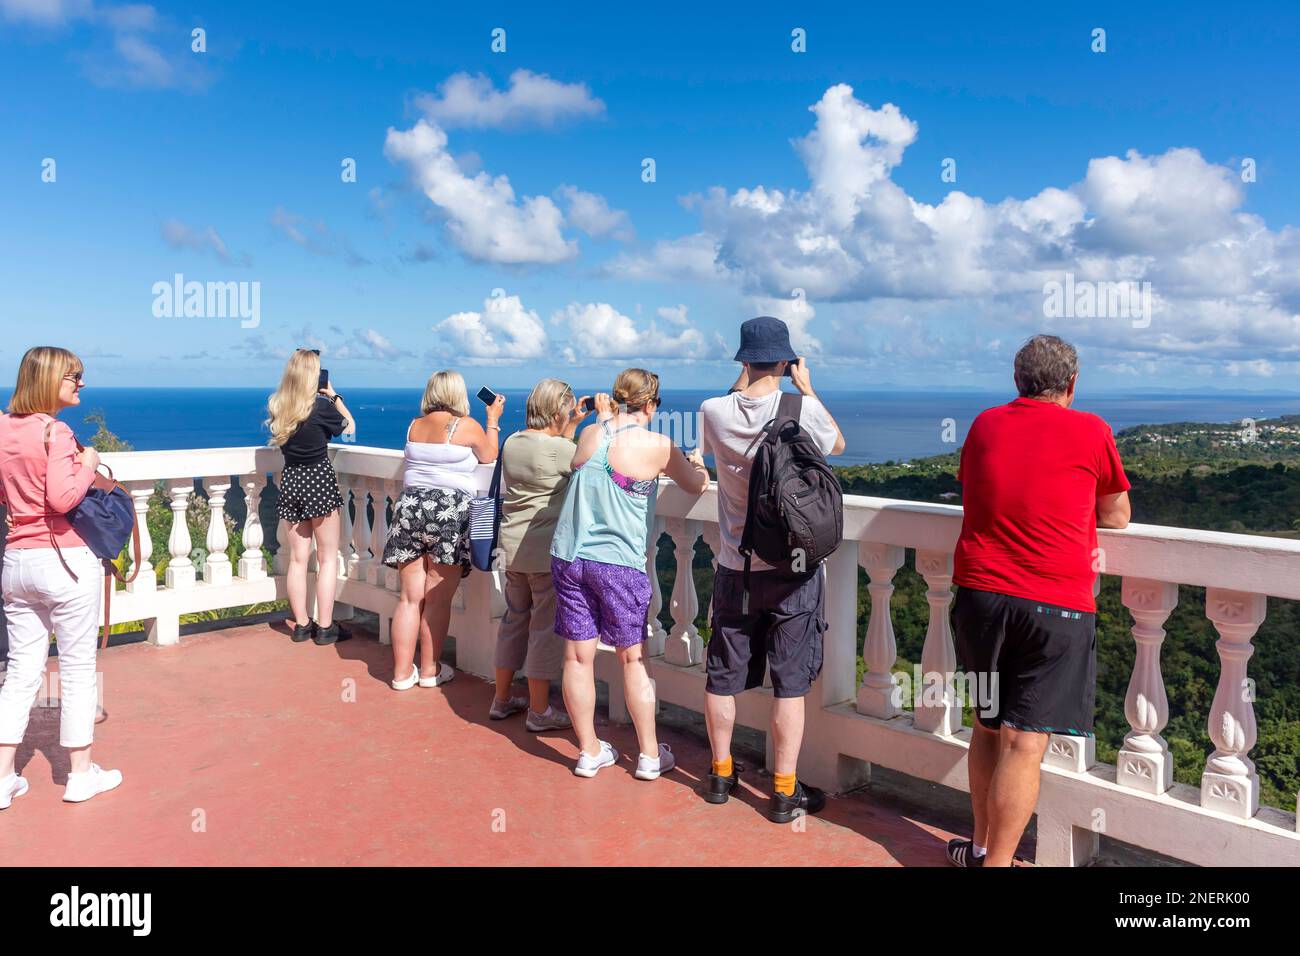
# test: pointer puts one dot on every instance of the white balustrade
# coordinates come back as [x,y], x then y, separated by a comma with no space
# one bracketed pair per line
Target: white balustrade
[684,646]
[180,569]
[252,564]
[849,727]
[216,566]
[1144,762]
[1229,783]
[879,695]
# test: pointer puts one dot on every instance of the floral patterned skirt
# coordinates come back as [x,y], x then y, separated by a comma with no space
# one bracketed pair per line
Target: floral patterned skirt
[432,521]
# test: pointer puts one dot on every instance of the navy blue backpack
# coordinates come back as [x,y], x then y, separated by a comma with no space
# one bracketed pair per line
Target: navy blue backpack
[105,521]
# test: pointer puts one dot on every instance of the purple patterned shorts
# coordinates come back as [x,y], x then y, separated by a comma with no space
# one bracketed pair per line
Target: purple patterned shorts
[594,599]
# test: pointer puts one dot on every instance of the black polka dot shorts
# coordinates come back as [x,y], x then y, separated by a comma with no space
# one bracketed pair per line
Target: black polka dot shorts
[308,491]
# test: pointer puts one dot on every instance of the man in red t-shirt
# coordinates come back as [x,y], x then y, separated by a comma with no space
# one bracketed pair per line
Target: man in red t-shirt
[1038,479]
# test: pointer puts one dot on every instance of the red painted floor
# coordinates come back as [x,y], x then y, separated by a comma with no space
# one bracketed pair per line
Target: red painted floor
[240,747]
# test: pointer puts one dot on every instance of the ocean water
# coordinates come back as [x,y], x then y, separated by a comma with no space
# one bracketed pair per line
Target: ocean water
[878,425]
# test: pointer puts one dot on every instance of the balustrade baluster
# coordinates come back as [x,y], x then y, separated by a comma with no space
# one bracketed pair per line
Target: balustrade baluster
[937,710]
[360,531]
[379,534]
[345,560]
[146,580]
[216,566]
[655,634]
[684,646]
[1229,783]
[392,578]
[252,565]
[180,569]
[879,694]
[1144,762]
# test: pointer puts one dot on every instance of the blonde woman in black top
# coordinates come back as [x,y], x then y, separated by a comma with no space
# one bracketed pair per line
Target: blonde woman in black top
[303,419]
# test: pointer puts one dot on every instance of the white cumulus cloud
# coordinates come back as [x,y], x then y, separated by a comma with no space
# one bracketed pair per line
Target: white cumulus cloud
[503,331]
[531,99]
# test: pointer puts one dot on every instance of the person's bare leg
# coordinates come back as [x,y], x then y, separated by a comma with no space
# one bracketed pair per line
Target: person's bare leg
[580,692]
[539,695]
[79,758]
[1013,791]
[295,576]
[639,695]
[439,588]
[787,729]
[981,761]
[720,719]
[505,677]
[406,618]
[326,532]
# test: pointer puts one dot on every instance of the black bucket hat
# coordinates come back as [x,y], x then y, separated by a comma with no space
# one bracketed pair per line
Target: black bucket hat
[765,340]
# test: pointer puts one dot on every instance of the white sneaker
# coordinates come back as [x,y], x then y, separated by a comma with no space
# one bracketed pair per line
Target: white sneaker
[445,675]
[408,682]
[96,780]
[587,766]
[10,787]
[649,768]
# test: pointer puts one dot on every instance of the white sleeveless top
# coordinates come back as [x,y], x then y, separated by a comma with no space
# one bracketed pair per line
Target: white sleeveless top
[440,464]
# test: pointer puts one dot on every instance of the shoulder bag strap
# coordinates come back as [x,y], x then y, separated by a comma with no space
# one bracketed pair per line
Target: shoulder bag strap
[111,573]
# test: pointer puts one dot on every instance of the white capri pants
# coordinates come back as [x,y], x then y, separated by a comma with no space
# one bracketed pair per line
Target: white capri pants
[40,598]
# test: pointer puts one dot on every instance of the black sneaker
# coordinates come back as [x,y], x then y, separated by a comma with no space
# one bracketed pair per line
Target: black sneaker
[333,634]
[961,853]
[805,801]
[303,632]
[718,789]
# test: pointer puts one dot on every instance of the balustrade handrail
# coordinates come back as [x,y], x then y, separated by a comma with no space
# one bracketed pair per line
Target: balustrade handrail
[1242,562]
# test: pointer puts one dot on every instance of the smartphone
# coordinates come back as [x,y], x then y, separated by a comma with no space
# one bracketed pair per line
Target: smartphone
[324,379]
[588,404]
[486,395]
[789,369]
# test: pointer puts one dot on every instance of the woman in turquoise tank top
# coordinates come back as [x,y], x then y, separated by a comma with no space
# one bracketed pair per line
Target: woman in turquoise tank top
[598,561]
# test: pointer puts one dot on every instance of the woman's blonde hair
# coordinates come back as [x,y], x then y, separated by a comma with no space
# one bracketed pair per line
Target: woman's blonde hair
[40,376]
[549,397]
[445,392]
[293,401]
[635,388]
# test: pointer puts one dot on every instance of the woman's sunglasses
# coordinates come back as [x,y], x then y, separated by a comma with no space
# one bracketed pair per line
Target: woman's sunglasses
[76,378]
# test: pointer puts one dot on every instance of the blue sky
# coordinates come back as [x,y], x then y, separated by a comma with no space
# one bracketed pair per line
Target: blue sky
[774,171]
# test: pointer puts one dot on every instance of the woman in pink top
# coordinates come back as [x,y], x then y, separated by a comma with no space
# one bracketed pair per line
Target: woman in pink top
[44,590]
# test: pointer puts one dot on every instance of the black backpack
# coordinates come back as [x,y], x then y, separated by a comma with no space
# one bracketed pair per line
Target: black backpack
[795,515]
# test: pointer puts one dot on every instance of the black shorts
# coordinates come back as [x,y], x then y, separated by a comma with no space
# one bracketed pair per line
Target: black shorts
[308,491]
[1029,665]
[783,630]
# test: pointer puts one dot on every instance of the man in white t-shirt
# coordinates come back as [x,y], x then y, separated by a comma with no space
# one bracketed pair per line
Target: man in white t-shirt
[781,629]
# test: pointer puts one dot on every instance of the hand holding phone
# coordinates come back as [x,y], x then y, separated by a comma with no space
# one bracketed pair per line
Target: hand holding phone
[324,381]
[587,405]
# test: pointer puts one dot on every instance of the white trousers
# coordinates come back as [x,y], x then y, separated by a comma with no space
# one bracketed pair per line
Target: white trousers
[40,598]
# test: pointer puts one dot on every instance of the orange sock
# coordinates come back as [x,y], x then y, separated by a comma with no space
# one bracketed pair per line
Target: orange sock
[785,783]
[723,768]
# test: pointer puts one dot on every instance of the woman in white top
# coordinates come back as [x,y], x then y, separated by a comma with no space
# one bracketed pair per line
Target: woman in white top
[428,538]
